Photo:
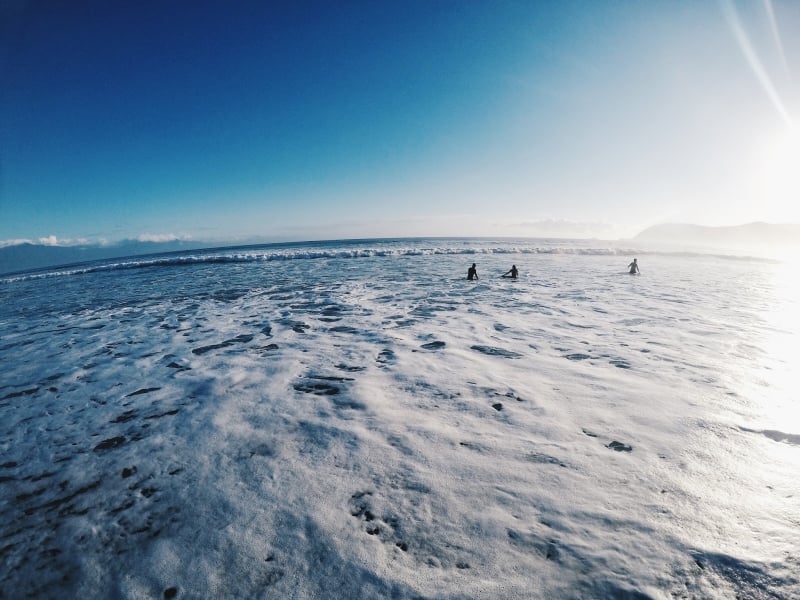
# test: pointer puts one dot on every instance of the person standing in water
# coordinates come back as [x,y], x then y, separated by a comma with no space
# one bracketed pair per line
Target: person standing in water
[512,272]
[634,267]
[472,272]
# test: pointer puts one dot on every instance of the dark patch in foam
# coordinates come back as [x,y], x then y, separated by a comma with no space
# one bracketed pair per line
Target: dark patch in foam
[577,356]
[619,446]
[265,450]
[343,329]
[167,413]
[329,385]
[361,508]
[317,388]
[431,310]
[21,393]
[511,395]
[45,475]
[385,356]
[122,507]
[349,368]
[545,459]
[227,295]
[239,339]
[125,417]
[472,446]
[575,325]
[63,500]
[143,391]
[493,351]
[438,345]
[28,495]
[296,326]
[348,403]
[179,367]
[405,322]
[330,378]
[110,443]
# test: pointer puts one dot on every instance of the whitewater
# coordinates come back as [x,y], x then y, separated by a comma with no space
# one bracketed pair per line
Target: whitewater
[357,420]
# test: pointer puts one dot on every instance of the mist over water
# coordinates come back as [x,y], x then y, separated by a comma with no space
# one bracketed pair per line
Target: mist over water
[358,420]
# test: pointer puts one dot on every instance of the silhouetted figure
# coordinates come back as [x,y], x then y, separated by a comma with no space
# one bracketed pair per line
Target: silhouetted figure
[472,273]
[512,272]
[634,267]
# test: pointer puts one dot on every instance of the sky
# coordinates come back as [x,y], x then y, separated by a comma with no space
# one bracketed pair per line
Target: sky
[269,121]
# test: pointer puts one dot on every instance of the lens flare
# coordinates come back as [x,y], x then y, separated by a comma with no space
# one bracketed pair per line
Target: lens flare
[753,59]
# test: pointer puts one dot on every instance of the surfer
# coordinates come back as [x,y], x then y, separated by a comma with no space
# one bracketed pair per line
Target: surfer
[512,272]
[472,272]
[634,267]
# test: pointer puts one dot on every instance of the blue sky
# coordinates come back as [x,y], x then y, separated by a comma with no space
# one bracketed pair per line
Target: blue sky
[259,120]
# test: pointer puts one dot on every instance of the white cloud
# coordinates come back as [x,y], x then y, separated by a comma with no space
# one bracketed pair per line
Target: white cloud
[162,237]
[50,240]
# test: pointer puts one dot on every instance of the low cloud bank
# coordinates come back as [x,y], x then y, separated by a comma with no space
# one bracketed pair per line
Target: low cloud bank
[50,240]
[163,237]
[50,251]
[54,241]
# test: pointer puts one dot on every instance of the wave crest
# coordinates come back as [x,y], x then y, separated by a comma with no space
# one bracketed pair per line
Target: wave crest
[255,254]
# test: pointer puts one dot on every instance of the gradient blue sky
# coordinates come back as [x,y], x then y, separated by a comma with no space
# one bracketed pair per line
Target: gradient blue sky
[227,121]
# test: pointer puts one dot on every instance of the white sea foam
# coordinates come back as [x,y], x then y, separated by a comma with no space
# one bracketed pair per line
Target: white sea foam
[367,423]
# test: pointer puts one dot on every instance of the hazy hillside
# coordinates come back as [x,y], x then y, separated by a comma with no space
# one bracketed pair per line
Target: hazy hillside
[24,257]
[749,236]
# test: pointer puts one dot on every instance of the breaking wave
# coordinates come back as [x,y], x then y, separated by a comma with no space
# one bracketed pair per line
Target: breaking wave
[341,250]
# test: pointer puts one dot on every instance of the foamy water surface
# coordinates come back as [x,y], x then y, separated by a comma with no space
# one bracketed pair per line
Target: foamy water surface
[351,420]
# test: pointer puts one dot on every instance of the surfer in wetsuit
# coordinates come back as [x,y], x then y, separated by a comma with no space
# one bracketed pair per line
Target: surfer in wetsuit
[634,267]
[512,272]
[472,272]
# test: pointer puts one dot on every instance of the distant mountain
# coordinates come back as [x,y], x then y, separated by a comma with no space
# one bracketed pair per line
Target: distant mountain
[27,256]
[739,236]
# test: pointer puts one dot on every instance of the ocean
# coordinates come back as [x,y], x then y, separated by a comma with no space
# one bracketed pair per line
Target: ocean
[355,419]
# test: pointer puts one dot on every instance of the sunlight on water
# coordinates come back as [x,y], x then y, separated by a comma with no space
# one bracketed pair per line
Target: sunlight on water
[780,404]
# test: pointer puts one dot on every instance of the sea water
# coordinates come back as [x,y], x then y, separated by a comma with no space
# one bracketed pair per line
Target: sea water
[357,420]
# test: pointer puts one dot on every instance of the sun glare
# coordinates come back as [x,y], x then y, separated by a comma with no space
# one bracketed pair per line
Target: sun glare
[779,175]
